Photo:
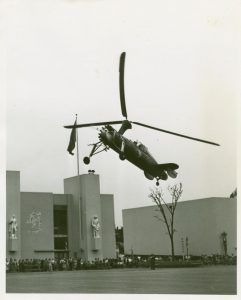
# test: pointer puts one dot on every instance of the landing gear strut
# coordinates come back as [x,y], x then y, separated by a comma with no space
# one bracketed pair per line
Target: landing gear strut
[157,181]
[122,153]
[95,150]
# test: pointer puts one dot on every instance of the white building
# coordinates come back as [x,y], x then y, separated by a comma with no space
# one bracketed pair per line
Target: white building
[202,221]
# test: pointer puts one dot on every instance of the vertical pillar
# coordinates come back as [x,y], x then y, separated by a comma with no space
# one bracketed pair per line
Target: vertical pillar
[13,223]
[87,228]
[72,186]
[91,217]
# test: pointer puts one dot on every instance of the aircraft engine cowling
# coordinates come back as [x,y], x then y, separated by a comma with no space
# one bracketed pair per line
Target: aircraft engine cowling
[148,176]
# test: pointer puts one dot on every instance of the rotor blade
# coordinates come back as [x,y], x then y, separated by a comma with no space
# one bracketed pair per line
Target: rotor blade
[121,84]
[93,124]
[174,133]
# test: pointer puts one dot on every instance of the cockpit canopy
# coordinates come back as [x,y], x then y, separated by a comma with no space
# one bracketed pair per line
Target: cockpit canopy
[142,147]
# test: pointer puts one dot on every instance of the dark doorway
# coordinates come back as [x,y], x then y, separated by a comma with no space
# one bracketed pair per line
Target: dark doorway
[60,219]
[61,247]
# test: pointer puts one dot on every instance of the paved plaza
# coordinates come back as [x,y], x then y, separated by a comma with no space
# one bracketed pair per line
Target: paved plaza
[200,280]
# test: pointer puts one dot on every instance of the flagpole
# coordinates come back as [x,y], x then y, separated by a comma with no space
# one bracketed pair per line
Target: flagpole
[72,144]
[77,141]
[79,182]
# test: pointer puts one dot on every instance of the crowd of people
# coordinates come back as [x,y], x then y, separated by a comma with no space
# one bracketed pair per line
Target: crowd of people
[216,259]
[51,264]
[70,264]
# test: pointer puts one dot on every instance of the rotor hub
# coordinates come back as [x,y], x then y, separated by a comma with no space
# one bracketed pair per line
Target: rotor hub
[125,126]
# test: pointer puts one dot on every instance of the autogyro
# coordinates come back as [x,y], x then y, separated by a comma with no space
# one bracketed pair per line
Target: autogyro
[133,151]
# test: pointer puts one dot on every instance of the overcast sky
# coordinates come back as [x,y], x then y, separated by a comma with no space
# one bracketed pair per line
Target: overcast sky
[181,74]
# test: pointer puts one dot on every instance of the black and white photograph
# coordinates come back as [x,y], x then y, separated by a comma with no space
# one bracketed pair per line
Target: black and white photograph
[120,147]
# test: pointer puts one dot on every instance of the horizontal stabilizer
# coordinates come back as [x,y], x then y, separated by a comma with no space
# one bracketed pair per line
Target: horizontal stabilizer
[172,174]
[164,170]
[168,167]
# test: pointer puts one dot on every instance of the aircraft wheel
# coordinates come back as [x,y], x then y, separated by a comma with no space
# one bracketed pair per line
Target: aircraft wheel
[157,183]
[86,160]
[122,156]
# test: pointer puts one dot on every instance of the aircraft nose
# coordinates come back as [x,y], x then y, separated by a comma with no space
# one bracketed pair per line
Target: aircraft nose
[102,136]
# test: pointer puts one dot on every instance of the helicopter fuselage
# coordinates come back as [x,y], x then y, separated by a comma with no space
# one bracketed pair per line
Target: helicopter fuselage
[135,152]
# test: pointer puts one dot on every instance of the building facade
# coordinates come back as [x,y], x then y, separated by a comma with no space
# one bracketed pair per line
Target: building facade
[203,227]
[79,223]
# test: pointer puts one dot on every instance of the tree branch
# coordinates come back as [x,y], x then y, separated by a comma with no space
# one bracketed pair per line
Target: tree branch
[159,219]
[157,197]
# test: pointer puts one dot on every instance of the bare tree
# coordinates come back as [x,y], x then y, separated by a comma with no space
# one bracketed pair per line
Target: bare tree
[167,210]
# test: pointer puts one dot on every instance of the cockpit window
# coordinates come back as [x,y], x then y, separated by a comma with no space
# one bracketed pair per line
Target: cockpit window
[141,146]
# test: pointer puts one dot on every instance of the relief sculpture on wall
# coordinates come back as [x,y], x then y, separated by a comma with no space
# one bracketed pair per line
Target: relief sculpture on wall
[35,220]
[13,227]
[95,224]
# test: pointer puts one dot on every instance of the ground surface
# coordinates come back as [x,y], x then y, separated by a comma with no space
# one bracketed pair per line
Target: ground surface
[200,280]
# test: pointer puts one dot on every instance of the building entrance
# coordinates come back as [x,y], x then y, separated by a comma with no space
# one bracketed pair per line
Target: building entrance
[61,249]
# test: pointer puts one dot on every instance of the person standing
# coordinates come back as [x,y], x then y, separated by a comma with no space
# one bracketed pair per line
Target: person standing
[50,266]
[152,262]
